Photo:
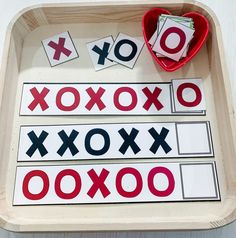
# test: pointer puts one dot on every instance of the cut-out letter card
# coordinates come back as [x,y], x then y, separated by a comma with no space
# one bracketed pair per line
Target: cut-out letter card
[173,39]
[126,50]
[188,95]
[98,51]
[182,20]
[60,48]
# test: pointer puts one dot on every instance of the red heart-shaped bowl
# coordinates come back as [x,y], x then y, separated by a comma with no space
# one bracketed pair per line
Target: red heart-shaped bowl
[201,25]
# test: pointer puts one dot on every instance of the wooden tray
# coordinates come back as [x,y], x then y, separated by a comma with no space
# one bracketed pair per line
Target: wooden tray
[24,61]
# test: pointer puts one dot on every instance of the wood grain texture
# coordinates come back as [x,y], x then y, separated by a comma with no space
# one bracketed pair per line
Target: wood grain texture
[222,232]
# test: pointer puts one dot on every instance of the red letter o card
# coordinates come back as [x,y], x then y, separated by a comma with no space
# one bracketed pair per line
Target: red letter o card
[188,95]
[173,39]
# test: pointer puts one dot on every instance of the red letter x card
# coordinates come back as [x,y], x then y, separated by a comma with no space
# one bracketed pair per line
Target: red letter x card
[173,39]
[60,49]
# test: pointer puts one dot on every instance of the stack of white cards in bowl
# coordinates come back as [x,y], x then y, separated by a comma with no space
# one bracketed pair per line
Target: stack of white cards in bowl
[172,36]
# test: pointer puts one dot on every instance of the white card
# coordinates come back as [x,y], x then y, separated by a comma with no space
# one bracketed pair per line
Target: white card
[99,99]
[182,20]
[113,141]
[188,95]
[60,48]
[194,138]
[160,25]
[126,50]
[204,186]
[116,183]
[98,51]
[153,38]
[173,39]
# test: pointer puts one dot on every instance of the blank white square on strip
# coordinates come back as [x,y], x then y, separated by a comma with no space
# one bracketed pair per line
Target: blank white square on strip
[126,50]
[60,48]
[198,181]
[188,91]
[194,138]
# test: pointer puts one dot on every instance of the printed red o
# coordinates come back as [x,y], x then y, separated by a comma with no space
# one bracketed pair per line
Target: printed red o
[165,35]
[171,182]
[25,186]
[74,105]
[196,90]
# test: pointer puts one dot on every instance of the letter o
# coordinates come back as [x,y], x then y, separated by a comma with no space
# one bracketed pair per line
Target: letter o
[106,138]
[76,99]
[171,182]
[138,178]
[197,91]
[181,42]
[131,55]
[133,96]
[25,186]
[58,179]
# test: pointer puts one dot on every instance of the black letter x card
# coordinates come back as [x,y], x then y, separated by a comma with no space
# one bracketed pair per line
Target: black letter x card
[98,51]
[60,49]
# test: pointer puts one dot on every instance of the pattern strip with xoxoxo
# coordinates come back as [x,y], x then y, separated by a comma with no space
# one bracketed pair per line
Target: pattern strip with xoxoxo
[179,97]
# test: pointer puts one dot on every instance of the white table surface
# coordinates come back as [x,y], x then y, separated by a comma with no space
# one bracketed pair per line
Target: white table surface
[225,11]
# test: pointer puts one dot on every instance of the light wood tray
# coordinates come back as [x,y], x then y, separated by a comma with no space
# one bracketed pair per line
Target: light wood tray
[25,61]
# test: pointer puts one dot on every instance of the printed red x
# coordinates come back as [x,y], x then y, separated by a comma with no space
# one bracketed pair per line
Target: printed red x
[39,98]
[152,98]
[59,48]
[98,183]
[95,98]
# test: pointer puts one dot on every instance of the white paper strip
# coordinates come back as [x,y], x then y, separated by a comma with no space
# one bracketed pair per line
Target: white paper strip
[110,141]
[116,183]
[102,99]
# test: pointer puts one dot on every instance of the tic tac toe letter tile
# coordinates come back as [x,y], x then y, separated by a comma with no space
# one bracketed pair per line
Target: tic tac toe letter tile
[194,138]
[199,181]
[60,48]
[188,95]
[98,51]
[126,50]
[173,39]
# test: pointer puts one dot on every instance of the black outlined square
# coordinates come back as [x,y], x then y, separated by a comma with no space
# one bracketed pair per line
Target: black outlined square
[193,184]
[209,152]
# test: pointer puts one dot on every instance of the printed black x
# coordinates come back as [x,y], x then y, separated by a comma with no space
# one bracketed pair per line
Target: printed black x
[129,141]
[159,140]
[68,142]
[37,143]
[103,53]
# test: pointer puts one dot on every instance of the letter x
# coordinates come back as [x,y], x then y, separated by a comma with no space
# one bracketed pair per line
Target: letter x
[39,98]
[68,142]
[152,98]
[95,98]
[59,48]
[159,140]
[129,141]
[98,183]
[103,53]
[37,143]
